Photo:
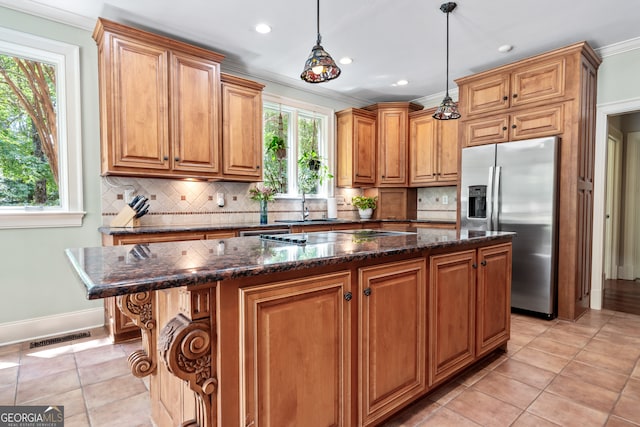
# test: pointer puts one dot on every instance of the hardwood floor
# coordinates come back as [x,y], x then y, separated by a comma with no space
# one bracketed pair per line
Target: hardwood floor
[622,295]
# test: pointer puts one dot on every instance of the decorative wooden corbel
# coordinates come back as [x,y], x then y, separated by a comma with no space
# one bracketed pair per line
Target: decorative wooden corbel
[139,308]
[185,347]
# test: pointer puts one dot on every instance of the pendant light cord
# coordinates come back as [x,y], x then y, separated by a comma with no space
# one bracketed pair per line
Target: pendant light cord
[318,22]
[447,78]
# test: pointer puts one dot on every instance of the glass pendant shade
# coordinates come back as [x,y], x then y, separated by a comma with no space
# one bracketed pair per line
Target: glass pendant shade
[447,110]
[320,66]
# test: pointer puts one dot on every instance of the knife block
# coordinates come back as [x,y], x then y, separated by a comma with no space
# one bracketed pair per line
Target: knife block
[125,218]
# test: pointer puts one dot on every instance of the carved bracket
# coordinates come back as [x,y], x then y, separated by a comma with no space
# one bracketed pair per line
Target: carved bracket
[139,308]
[185,347]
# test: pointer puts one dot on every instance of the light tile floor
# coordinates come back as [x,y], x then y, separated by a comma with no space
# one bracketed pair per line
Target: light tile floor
[554,373]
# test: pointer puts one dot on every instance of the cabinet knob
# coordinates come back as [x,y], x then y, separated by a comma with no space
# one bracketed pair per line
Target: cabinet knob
[504,98]
[504,128]
[515,95]
[257,166]
[348,296]
[484,262]
[433,174]
[513,126]
[177,159]
[165,158]
[474,265]
[367,292]
[383,176]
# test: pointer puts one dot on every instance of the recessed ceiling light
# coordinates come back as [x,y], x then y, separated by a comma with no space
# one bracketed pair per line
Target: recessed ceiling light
[346,60]
[402,82]
[505,48]
[263,28]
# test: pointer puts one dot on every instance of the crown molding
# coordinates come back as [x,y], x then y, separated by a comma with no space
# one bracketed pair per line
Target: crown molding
[50,13]
[618,48]
[434,100]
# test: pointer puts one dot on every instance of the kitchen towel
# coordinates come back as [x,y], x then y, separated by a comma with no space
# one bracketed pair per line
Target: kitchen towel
[332,208]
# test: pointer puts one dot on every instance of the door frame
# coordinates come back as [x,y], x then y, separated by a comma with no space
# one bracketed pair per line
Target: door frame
[599,189]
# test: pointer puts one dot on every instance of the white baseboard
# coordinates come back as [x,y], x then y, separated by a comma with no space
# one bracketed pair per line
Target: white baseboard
[596,299]
[59,324]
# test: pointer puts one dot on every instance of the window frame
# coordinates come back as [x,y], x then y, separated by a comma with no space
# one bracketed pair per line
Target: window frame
[326,189]
[66,58]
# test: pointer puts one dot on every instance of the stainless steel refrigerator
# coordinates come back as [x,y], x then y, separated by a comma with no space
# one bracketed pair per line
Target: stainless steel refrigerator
[513,187]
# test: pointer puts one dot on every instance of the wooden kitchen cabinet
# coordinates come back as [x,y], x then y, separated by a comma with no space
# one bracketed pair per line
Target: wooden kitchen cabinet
[394,203]
[526,124]
[551,94]
[452,308]
[433,150]
[392,340]
[356,148]
[296,352]
[153,92]
[493,298]
[528,83]
[392,136]
[241,129]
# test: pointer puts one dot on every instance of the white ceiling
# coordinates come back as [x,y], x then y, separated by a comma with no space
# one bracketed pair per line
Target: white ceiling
[388,40]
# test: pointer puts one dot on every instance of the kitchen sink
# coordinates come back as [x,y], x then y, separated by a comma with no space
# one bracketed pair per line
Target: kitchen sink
[305,221]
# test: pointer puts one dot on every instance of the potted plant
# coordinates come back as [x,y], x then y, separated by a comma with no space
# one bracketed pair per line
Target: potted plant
[312,171]
[365,205]
[277,146]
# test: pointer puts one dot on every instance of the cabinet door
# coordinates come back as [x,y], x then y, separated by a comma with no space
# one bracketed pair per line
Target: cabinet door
[422,145]
[138,99]
[487,130]
[392,342]
[194,100]
[542,82]
[448,151]
[452,304]
[486,94]
[364,150]
[296,353]
[537,122]
[392,146]
[241,132]
[493,298]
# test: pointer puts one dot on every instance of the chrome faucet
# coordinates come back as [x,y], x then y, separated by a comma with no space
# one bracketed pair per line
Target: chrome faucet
[305,210]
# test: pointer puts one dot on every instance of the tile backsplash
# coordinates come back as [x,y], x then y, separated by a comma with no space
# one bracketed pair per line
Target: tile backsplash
[196,202]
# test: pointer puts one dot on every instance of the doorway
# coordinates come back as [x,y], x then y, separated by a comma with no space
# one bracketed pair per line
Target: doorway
[616,245]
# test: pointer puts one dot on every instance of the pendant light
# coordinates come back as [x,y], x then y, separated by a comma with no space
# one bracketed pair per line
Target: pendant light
[320,67]
[447,109]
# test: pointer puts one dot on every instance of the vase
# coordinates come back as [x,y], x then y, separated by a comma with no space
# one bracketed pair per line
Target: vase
[263,211]
[365,213]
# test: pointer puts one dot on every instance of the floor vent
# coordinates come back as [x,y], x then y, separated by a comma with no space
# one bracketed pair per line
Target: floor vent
[56,340]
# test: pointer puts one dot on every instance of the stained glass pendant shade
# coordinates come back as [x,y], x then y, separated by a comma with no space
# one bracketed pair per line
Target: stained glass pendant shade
[320,66]
[447,110]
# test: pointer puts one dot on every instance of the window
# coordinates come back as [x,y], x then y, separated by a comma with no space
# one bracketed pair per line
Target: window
[297,148]
[40,155]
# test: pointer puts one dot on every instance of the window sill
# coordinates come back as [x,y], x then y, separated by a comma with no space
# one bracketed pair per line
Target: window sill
[40,219]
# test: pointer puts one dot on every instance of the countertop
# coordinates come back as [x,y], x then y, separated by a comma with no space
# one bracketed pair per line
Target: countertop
[118,270]
[173,228]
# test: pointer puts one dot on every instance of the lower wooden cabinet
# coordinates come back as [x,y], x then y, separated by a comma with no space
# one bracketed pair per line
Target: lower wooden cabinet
[452,309]
[296,352]
[392,337]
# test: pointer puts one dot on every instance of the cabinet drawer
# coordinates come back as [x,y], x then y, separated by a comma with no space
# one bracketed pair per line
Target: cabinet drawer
[538,122]
[486,131]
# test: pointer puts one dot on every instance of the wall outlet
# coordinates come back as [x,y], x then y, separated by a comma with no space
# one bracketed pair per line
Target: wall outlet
[220,199]
[445,200]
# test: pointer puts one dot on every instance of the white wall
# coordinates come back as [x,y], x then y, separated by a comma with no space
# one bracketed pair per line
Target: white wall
[618,92]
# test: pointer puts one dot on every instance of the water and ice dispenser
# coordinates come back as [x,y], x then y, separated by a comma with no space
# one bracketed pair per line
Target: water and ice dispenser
[477,201]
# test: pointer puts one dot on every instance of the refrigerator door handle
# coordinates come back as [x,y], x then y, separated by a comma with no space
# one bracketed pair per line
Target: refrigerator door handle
[490,199]
[496,199]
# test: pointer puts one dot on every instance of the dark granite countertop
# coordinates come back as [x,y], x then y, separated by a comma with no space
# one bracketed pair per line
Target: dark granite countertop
[118,270]
[174,228]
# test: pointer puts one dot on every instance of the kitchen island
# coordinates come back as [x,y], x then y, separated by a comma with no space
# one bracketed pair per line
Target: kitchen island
[339,328]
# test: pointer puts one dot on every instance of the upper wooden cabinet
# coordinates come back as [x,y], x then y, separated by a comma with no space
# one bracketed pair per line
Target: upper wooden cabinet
[241,129]
[161,103]
[433,150]
[392,136]
[356,151]
[526,84]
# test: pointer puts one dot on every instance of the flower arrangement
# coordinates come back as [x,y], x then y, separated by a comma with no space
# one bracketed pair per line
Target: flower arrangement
[262,193]
[364,202]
